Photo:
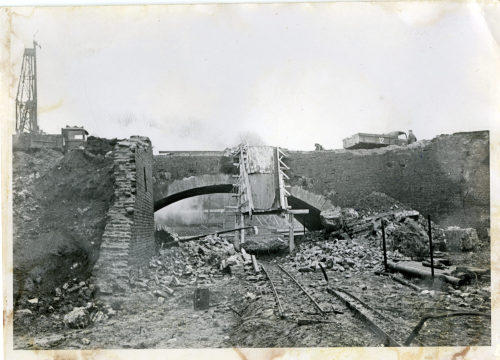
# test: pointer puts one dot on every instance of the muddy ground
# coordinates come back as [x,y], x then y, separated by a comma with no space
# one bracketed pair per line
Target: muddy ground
[57,232]
[59,216]
[243,310]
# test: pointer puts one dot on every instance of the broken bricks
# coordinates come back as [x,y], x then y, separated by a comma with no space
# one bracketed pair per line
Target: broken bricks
[237,270]
[78,318]
[164,292]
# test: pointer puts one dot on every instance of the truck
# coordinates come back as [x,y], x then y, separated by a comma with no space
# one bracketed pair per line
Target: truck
[71,137]
[372,141]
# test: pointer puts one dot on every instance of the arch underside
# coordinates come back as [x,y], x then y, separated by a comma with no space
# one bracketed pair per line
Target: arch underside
[311,221]
[197,191]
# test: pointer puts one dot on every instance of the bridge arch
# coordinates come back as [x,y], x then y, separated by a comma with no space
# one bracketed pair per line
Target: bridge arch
[180,189]
[201,190]
[299,198]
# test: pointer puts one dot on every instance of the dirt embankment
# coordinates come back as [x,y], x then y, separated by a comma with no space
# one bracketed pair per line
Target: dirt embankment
[59,210]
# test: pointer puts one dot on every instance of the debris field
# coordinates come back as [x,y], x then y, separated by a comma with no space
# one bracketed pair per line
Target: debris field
[335,289]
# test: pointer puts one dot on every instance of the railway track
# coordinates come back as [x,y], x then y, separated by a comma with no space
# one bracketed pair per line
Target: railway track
[295,302]
[379,324]
[386,328]
[316,307]
[292,299]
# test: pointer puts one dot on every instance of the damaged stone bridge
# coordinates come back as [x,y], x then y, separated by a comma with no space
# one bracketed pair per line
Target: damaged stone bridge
[447,177]
[166,193]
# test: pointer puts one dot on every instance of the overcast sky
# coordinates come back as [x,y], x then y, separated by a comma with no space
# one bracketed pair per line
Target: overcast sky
[197,77]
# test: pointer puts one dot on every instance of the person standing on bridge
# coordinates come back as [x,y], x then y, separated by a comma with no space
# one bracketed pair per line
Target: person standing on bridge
[411,137]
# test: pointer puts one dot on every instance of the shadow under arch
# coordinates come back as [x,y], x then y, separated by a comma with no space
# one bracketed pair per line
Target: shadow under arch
[197,191]
[311,221]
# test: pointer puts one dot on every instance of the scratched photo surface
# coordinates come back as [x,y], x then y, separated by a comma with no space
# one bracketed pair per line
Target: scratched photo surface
[235,176]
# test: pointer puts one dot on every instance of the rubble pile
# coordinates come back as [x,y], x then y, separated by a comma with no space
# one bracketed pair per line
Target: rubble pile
[352,240]
[265,244]
[459,239]
[377,202]
[71,305]
[27,169]
[409,234]
[96,145]
[30,165]
[191,262]
[406,229]
[338,219]
[337,255]
[59,206]
[165,237]
[409,238]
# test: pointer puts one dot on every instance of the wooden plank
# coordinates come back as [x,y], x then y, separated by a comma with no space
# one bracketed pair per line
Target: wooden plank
[283,164]
[244,175]
[242,224]
[280,184]
[282,152]
[255,264]
[298,211]
[263,191]
[291,234]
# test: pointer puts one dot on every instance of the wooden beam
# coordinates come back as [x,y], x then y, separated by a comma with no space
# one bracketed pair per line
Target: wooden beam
[242,225]
[284,175]
[255,264]
[298,211]
[291,234]
[281,184]
[282,152]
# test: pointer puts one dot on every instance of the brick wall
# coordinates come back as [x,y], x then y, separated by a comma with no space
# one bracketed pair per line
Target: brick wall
[142,244]
[180,165]
[128,239]
[447,177]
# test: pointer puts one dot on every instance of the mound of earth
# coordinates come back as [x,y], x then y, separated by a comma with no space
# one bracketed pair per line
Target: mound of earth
[59,213]
[377,202]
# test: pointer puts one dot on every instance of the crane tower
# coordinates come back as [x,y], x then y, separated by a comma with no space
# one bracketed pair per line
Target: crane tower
[26,98]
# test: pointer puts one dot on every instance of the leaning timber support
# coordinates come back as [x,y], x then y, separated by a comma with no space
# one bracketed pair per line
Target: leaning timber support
[255,264]
[189,238]
[242,228]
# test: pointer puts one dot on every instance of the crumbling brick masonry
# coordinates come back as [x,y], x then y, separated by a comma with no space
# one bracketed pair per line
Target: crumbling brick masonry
[128,239]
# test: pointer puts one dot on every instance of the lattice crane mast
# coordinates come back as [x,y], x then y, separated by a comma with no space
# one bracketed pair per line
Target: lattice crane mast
[26,98]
